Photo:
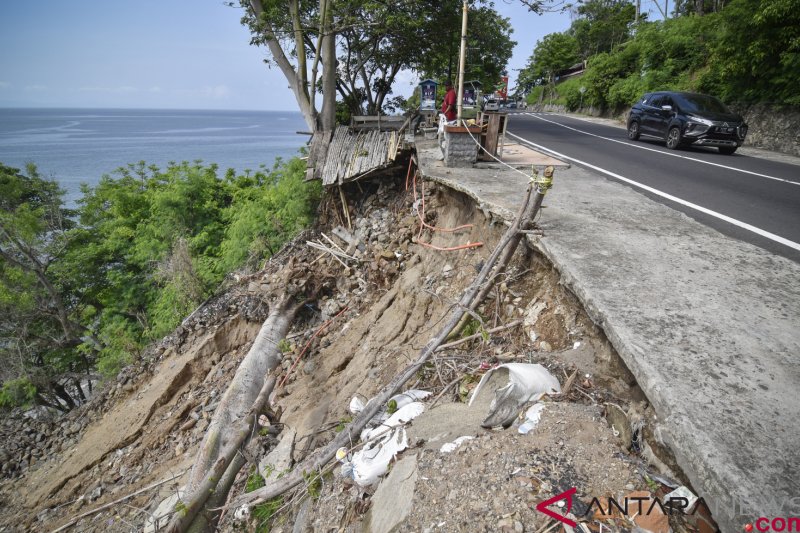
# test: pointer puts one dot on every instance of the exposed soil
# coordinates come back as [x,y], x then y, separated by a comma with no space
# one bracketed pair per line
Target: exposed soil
[383,306]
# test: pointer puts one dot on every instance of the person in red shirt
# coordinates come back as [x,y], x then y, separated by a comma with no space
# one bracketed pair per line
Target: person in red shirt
[449,103]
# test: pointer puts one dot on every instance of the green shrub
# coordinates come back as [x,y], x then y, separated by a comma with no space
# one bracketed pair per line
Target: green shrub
[18,392]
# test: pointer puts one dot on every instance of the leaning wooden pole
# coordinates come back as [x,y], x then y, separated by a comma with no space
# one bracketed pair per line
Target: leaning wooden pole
[510,239]
[522,222]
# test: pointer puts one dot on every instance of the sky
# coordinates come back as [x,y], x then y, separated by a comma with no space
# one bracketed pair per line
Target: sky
[165,54]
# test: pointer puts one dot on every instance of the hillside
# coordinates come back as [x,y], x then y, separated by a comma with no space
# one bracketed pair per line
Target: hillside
[373,315]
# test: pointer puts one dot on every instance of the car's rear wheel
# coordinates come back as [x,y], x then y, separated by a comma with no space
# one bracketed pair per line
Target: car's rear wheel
[633,130]
[673,138]
[727,150]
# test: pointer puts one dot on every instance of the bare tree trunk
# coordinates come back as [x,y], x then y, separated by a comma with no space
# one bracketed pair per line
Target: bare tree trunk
[328,56]
[235,416]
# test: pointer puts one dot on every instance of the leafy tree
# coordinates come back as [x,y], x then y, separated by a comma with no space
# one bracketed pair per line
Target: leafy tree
[262,218]
[756,56]
[489,44]
[555,52]
[88,290]
[39,332]
[376,41]
[601,25]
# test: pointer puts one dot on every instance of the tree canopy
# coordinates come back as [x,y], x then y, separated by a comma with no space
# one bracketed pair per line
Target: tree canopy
[374,42]
[87,289]
[744,51]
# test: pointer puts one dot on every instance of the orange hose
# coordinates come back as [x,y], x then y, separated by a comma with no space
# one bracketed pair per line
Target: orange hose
[423,224]
[408,174]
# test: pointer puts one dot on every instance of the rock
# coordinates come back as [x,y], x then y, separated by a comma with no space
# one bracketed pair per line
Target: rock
[96,493]
[391,503]
[161,516]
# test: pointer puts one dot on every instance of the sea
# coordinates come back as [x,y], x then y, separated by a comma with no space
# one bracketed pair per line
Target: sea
[75,146]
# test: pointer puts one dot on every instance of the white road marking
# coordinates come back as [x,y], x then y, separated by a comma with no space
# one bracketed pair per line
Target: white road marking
[671,154]
[720,216]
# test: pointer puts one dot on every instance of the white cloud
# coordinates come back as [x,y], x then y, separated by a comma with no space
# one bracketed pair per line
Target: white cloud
[4,84]
[35,87]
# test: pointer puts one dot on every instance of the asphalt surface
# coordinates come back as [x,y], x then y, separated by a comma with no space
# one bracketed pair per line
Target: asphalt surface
[708,324]
[748,197]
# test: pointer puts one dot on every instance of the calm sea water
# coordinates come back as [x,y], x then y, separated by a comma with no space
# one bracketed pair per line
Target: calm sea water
[77,146]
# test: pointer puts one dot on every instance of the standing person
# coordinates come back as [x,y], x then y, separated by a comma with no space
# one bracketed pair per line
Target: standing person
[449,103]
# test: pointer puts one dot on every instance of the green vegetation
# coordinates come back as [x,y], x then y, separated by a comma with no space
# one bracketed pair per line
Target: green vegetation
[264,513]
[747,52]
[86,290]
[254,481]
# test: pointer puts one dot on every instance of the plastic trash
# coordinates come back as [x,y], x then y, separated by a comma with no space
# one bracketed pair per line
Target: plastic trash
[682,495]
[372,461]
[356,405]
[526,383]
[532,417]
[449,447]
[385,436]
[242,513]
[400,400]
[402,416]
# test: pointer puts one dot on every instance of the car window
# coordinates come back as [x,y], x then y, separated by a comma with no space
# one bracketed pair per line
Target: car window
[646,98]
[655,101]
[666,100]
[699,103]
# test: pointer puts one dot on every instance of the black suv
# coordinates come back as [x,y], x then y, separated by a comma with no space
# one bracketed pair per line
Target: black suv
[683,119]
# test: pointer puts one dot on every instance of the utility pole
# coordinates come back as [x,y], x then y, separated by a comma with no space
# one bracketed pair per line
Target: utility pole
[462,63]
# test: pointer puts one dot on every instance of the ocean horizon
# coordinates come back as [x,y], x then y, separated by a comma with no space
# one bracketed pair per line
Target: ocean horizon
[80,145]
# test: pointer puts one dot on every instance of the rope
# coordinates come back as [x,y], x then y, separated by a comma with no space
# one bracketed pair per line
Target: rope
[543,184]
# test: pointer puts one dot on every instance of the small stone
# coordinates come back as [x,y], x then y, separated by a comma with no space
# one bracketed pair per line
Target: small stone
[96,493]
[545,346]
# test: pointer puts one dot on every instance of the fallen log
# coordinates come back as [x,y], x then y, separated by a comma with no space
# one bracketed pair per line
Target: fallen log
[521,224]
[234,421]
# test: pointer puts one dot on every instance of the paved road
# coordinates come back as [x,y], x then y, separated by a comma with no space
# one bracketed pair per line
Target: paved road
[708,324]
[750,198]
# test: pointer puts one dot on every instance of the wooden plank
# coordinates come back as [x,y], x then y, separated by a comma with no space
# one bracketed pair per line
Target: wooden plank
[353,154]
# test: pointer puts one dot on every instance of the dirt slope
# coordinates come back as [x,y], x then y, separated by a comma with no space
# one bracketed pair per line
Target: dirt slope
[383,308]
